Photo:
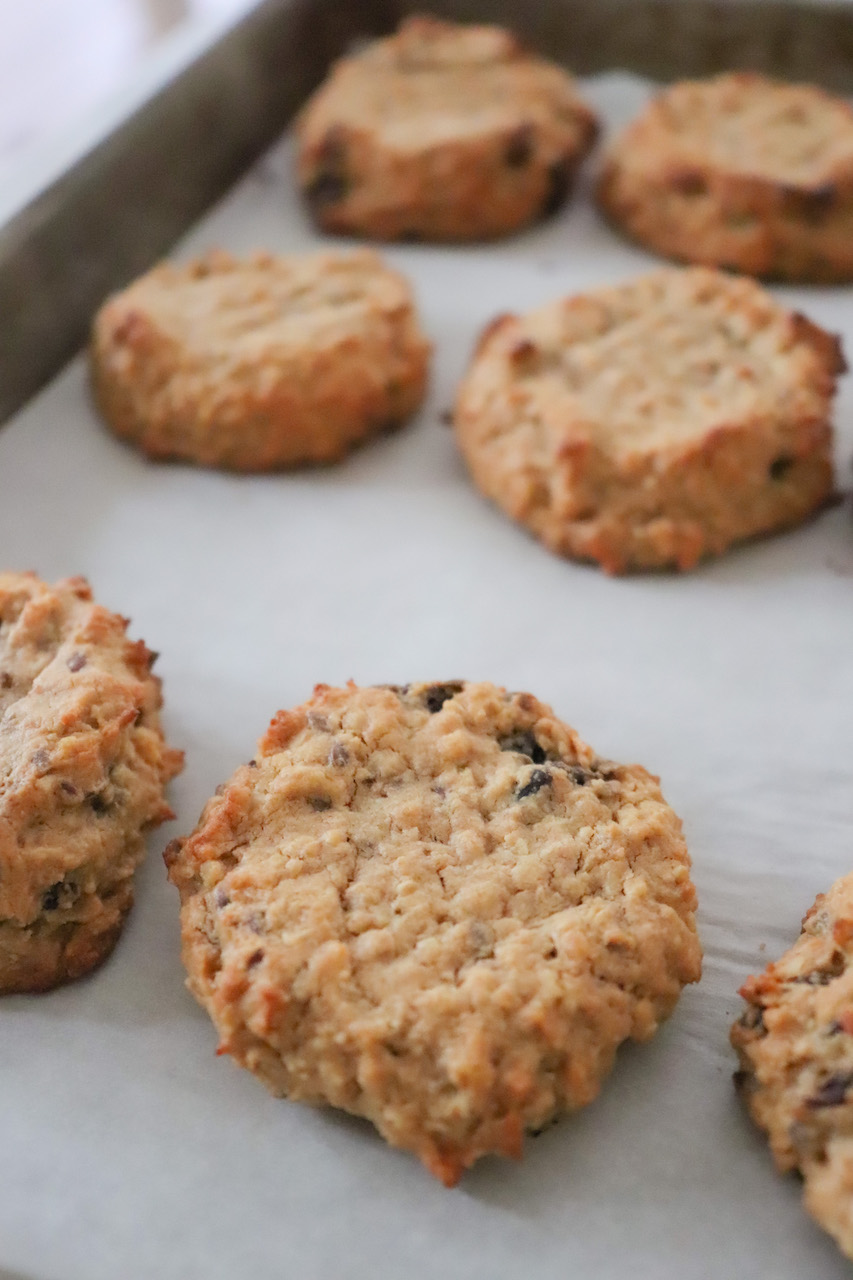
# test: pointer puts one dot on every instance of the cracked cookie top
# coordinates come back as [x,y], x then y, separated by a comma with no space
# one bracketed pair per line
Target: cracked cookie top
[435,906]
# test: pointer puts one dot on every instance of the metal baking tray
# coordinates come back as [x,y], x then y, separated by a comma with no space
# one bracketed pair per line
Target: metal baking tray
[130,1150]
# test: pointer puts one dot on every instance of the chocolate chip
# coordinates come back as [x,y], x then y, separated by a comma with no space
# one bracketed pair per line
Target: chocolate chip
[338,754]
[519,147]
[5,680]
[780,467]
[220,897]
[539,778]
[253,764]
[400,689]
[525,744]
[98,803]
[320,803]
[317,722]
[68,787]
[835,1028]
[41,758]
[77,662]
[437,694]
[832,1092]
[254,959]
[559,180]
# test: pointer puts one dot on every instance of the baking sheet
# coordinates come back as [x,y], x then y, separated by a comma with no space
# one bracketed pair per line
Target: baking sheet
[130,1150]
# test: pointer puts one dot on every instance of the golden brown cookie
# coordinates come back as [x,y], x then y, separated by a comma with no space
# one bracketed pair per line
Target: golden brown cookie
[441,132]
[83,765]
[652,424]
[259,362]
[739,171]
[795,1043]
[435,907]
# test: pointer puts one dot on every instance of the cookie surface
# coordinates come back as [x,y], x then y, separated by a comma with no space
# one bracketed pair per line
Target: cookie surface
[649,425]
[441,132]
[435,907]
[795,1043]
[262,362]
[739,171]
[84,765]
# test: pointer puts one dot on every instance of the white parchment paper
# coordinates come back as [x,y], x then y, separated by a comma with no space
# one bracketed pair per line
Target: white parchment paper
[128,1149]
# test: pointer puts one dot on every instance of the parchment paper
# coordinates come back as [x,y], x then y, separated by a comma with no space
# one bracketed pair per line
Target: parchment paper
[129,1149]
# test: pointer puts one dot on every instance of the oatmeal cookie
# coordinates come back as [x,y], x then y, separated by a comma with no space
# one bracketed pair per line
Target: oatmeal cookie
[441,132]
[795,1043]
[652,424]
[435,907]
[83,765]
[261,362]
[739,171]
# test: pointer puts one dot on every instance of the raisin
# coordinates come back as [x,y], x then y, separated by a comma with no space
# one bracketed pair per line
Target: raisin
[320,803]
[559,180]
[519,147]
[50,897]
[98,803]
[41,758]
[5,680]
[578,775]
[338,754]
[255,958]
[220,897]
[539,778]
[780,467]
[833,1092]
[437,694]
[525,744]
[752,1019]
[77,662]
[330,183]
[690,183]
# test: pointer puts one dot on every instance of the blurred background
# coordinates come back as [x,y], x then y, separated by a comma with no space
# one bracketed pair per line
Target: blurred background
[60,58]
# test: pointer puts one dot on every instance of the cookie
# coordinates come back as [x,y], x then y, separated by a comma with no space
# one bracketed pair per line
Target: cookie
[742,172]
[795,1043]
[435,907]
[649,425]
[261,362]
[441,132]
[83,765]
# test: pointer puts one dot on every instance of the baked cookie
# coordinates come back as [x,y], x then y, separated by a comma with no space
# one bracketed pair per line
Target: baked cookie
[435,907]
[651,424]
[795,1043]
[259,362]
[441,132]
[742,172]
[83,766]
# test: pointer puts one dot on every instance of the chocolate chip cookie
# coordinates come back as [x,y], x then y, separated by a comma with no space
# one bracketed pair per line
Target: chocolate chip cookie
[649,425]
[441,132]
[739,171]
[795,1043]
[83,765]
[261,362]
[436,907]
